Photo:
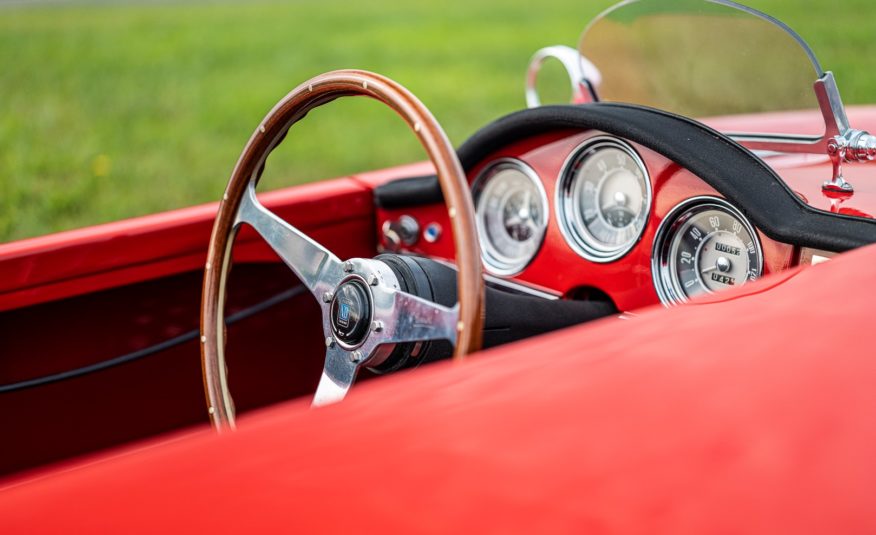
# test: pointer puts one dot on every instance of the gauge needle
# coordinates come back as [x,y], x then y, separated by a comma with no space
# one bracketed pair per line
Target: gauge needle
[722,264]
[523,213]
[620,200]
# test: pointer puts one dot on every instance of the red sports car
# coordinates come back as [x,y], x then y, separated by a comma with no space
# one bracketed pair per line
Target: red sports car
[648,310]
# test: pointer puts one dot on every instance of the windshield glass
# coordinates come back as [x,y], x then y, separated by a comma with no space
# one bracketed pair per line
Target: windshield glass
[706,59]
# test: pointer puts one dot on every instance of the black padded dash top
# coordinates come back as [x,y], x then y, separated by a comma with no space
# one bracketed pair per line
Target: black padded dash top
[730,168]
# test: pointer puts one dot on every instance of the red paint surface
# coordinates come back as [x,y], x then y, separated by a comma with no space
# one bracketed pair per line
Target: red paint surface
[790,122]
[664,425]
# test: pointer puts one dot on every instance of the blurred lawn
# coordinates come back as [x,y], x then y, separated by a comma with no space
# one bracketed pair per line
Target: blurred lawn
[114,110]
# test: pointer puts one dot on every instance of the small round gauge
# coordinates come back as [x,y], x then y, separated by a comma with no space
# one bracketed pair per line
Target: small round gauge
[512,214]
[603,199]
[704,245]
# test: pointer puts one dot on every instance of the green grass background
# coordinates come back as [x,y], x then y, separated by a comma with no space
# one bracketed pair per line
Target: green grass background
[111,110]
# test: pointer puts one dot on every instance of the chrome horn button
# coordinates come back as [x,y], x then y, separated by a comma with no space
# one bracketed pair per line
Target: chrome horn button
[351,312]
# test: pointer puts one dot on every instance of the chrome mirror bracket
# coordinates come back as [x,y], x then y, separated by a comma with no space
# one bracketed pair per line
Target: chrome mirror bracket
[584,77]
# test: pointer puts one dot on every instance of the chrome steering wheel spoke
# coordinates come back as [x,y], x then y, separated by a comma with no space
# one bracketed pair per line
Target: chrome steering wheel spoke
[414,319]
[317,267]
[338,374]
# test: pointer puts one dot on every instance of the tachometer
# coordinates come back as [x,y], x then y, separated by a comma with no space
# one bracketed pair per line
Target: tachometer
[512,214]
[704,245]
[603,199]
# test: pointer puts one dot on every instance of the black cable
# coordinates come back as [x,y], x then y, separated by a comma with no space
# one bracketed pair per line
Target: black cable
[153,349]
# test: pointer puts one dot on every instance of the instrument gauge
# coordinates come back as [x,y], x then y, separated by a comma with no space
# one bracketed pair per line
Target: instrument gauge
[512,213]
[704,245]
[603,199]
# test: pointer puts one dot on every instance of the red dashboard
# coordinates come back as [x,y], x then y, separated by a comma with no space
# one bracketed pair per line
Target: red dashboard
[557,268]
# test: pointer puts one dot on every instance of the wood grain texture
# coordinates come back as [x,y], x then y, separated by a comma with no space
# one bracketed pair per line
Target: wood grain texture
[270,133]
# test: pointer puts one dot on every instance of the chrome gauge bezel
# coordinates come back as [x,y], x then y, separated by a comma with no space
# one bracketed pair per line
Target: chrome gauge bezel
[662,264]
[568,205]
[494,261]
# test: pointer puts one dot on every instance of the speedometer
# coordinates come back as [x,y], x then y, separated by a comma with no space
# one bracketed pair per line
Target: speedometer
[704,245]
[603,199]
[512,211]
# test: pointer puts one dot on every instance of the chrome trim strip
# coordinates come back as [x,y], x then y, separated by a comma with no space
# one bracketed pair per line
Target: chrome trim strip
[512,285]
[517,286]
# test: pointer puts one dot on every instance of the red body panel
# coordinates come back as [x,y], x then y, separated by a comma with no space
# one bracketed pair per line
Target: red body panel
[602,428]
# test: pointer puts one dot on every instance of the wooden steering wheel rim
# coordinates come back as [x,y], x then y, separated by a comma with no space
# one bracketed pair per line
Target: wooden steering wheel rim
[270,132]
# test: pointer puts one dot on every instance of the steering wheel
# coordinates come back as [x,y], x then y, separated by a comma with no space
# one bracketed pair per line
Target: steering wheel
[364,311]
